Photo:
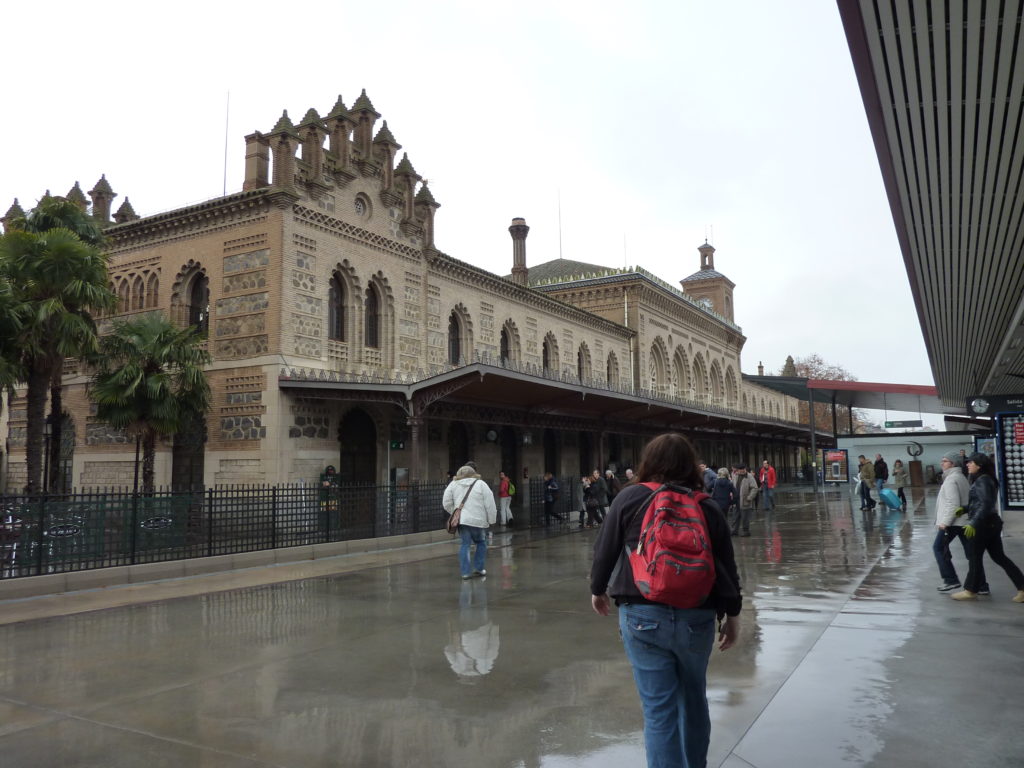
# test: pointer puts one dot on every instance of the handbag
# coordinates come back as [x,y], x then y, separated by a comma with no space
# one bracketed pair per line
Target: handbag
[452,526]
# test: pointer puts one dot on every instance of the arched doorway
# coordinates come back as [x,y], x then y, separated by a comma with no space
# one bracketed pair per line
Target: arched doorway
[357,440]
[458,446]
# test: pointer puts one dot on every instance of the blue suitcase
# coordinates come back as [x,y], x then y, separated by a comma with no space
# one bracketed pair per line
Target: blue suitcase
[890,499]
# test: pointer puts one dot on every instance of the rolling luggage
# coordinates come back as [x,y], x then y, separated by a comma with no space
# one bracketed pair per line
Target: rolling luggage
[890,499]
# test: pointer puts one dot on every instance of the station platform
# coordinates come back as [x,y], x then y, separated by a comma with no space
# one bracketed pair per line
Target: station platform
[848,657]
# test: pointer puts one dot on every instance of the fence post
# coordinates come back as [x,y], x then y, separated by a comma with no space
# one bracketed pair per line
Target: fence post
[42,535]
[273,518]
[414,502]
[209,522]
[134,525]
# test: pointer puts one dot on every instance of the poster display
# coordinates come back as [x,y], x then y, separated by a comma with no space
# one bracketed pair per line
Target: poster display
[836,466]
[1009,444]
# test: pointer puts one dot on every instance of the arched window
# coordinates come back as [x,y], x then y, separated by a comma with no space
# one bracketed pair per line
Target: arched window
[454,339]
[506,347]
[681,374]
[123,296]
[138,293]
[549,354]
[336,309]
[372,327]
[199,303]
[658,368]
[583,362]
[152,290]
[612,370]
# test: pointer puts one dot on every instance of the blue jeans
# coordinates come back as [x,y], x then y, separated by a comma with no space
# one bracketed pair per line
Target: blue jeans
[767,498]
[879,484]
[470,534]
[941,545]
[669,650]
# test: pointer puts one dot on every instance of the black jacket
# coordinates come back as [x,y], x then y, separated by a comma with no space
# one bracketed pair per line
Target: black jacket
[724,493]
[881,470]
[981,503]
[622,528]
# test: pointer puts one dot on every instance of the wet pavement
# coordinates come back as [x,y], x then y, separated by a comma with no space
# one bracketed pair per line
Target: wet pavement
[848,657]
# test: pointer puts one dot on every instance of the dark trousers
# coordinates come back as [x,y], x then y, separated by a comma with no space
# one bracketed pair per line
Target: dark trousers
[549,511]
[988,538]
[903,496]
[741,515]
[944,558]
[865,495]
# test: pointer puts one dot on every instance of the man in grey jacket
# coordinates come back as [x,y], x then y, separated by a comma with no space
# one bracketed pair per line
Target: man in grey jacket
[951,503]
[746,495]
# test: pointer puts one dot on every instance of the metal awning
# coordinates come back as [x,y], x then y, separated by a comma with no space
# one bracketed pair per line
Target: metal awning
[912,398]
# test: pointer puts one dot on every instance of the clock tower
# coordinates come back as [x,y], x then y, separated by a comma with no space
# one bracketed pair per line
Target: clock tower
[709,287]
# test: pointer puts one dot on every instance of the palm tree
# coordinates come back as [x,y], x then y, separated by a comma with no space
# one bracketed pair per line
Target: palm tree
[150,380]
[58,213]
[59,278]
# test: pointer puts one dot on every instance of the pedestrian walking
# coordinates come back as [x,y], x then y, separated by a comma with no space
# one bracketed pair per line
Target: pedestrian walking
[668,647]
[477,515]
[867,479]
[708,475]
[599,492]
[881,472]
[984,528]
[746,497]
[614,486]
[583,489]
[900,480]
[551,494]
[506,489]
[723,492]
[767,478]
[953,498]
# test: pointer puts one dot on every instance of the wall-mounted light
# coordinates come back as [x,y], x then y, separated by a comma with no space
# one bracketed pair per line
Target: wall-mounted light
[527,438]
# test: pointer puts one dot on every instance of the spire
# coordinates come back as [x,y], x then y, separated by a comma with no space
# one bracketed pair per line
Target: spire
[312,118]
[125,213]
[363,103]
[404,167]
[384,136]
[707,256]
[339,109]
[102,196]
[77,196]
[519,230]
[13,213]
[284,125]
[424,197]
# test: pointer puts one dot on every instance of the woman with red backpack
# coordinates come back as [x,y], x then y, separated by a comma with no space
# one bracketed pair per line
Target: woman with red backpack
[668,645]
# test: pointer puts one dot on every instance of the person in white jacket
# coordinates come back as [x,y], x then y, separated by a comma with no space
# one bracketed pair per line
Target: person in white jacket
[952,499]
[478,514]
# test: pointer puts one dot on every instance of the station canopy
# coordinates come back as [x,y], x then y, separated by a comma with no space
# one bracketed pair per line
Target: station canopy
[911,398]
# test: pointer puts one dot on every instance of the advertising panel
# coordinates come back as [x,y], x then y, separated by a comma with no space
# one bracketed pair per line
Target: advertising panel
[836,466]
[1009,444]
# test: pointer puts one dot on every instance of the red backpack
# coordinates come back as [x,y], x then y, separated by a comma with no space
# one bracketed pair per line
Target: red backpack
[673,562]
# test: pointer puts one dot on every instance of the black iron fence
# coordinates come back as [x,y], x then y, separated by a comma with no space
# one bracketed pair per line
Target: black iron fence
[81,531]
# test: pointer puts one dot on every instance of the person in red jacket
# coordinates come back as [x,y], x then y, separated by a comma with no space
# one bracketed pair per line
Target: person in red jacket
[767,480]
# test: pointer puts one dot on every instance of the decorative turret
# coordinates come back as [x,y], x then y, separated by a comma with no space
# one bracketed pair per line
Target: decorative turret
[102,196]
[365,116]
[384,148]
[257,162]
[125,213]
[709,287]
[339,126]
[77,196]
[283,141]
[425,207]
[407,177]
[313,130]
[519,231]
[14,213]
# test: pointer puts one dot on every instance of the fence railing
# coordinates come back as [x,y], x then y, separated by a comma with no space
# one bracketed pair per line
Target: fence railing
[82,531]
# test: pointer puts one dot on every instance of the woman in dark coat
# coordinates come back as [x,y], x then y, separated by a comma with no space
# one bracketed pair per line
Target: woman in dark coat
[984,528]
[723,492]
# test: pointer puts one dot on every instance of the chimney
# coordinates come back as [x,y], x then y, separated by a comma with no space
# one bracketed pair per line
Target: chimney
[760,368]
[519,231]
[257,162]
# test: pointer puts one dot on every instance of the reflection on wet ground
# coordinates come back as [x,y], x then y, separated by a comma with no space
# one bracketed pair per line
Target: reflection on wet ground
[848,657]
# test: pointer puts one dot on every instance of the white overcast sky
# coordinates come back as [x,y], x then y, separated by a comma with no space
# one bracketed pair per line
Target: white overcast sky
[654,123]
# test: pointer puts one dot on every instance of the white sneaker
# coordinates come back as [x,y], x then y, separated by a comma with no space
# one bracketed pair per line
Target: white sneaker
[477,573]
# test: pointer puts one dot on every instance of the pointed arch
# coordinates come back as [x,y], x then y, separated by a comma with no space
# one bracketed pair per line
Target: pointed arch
[549,354]
[460,335]
[731,388]
[700,378]
[681,374]
[716,383]
[745,410]
[190,296]
[510,349]
[583,367]
[124,297]
[378,324]
[657,367]
[612,370]
[153,290]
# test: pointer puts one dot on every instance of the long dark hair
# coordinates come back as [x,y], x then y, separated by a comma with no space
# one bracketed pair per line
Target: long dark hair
[670,458]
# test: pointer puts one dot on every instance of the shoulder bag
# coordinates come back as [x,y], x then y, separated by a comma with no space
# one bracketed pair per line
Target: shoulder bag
[452,526]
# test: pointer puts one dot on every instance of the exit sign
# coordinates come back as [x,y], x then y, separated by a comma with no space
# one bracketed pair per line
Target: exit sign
[397,445]
[903,424]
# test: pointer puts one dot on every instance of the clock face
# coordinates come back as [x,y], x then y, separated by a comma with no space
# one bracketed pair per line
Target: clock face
[979,405]
[705,302]
[492,435]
